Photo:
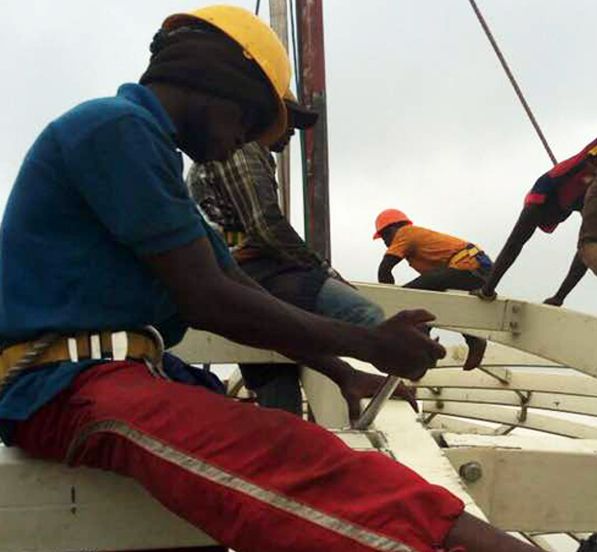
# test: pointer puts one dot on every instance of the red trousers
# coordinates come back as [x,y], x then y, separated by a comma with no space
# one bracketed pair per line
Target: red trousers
[256,480]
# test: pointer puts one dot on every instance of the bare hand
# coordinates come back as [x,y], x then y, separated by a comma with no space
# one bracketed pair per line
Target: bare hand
[361,385]
[403,347]
[554,301]
[484,294]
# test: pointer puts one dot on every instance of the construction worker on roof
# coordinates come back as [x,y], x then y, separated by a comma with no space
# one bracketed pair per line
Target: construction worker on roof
[240,197]
[443,262]
[553,198]
[105,259]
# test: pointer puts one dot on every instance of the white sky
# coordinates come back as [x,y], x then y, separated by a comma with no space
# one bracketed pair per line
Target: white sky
[420,114]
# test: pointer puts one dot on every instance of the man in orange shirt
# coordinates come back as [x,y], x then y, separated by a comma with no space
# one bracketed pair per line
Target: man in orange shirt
[443,262]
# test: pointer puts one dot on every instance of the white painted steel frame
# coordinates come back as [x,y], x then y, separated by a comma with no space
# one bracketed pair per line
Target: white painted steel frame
[528,486]
[560,335]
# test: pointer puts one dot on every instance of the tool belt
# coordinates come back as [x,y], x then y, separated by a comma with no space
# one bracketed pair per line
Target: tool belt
[234,238]
[144,344]
[471,250]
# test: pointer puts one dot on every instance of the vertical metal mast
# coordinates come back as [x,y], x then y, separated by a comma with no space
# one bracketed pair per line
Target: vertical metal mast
[312,92]
[278,15]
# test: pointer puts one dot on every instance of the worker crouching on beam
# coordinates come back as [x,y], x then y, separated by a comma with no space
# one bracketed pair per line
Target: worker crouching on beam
[104,254]
[443,262]
[567,187]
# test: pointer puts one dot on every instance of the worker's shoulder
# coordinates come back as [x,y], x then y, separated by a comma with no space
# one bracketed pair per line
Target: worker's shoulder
[411,231]
[85,119]
[420,234]
[254,151]
[254,148]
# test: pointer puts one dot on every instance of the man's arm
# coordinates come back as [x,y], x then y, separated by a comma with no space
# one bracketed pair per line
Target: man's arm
[234,272]
[521,233]
[577,270]
[354,384]
[384,272]
[209,300]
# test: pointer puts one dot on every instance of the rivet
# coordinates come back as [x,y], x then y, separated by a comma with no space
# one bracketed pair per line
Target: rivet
[471,471]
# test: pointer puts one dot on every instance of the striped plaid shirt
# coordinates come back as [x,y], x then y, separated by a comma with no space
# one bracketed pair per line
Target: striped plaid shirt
[241,195]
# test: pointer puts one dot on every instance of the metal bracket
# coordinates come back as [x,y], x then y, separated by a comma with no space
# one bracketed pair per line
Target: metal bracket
[437,391]
[426,421]
[512,317]
[525,398]
[504,429]
[503,375]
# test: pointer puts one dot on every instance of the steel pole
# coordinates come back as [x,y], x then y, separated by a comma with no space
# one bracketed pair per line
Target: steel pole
[278,15]
[314,144]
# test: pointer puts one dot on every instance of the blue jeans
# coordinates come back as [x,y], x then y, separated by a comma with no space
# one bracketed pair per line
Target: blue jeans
[339,301]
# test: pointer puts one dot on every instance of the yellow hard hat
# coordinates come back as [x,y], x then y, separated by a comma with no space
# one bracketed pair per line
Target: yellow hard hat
[259,42]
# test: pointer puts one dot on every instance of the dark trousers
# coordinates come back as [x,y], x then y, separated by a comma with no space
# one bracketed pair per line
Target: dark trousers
[447,278]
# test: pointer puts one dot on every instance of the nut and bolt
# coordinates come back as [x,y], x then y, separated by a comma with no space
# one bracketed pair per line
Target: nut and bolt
[471,472]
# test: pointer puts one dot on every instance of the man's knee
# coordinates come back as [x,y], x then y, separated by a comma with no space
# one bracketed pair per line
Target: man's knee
[342,302]
[369,315]
[588,254]
[362,313]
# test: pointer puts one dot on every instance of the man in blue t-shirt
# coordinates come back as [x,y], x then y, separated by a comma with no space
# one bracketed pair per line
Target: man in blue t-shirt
[103,254]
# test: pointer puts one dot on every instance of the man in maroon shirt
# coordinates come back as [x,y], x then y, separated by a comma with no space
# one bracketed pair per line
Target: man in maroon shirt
[567,187]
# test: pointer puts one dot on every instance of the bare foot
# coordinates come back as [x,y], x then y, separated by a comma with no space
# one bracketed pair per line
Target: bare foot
[476,350]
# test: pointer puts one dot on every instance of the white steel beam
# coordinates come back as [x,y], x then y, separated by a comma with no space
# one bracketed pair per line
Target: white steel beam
[532,490]
[412,445]
[560,335]
[453,309]
[199,347]
[523,442]
[542,401]
[458,425]
[495,355]
[49,506]
[511,417]
[567,382]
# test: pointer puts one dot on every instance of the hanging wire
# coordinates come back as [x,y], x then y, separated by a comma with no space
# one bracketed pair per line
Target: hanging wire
[257,7]
[512,80]
[297,76]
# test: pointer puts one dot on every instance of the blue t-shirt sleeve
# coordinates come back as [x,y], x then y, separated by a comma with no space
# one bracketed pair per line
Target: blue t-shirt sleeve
[130,175]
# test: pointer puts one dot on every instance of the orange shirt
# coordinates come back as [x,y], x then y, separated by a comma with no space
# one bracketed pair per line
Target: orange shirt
[426,250]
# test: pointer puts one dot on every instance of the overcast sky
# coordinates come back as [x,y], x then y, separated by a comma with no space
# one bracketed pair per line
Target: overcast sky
[420,114]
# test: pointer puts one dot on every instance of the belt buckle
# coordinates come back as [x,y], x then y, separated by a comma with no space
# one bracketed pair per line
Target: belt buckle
[158,341]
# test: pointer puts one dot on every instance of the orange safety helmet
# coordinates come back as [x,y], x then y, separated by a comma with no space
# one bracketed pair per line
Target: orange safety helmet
[387,217]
